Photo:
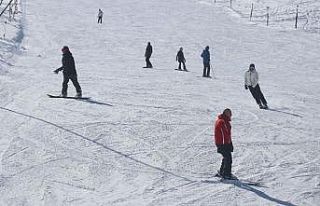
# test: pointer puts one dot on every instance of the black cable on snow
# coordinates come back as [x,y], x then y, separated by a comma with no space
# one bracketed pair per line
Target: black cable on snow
[6,8]
[97,143]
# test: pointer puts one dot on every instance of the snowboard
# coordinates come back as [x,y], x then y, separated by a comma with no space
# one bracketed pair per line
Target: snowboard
[181,70]
[58,96]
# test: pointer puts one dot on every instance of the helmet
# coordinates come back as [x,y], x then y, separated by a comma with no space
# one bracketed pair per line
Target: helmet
[65,49]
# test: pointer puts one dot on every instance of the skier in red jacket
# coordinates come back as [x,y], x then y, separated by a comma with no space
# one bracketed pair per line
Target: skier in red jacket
[223,141]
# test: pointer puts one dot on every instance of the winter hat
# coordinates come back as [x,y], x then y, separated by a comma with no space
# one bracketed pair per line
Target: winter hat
[227,114]
[251,66]
[65,49]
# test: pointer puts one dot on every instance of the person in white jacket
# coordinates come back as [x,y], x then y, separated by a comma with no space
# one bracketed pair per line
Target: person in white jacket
[251,79]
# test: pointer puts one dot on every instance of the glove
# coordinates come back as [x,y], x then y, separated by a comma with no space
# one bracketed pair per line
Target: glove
[245,86]
[56,71]
[220,149]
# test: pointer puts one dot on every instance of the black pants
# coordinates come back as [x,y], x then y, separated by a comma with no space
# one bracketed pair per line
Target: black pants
[99,20]
[74,80]
[184,65]
[206,70]
[226,163]
[149,65]
[257,95]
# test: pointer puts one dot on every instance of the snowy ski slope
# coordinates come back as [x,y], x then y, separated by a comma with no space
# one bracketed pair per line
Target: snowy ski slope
[145,137]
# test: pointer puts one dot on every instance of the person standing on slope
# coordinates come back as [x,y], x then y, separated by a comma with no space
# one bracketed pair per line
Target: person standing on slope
[223,141]
[69,72]
[206,62]
[180,58]
[251,79]
[100,15]
[147,55]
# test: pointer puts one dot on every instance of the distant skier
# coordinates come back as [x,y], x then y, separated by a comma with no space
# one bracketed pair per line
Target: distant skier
[180,58]
[206,62]
[69,72]
[223,141]
[100,15]
[251,79]
[147,55]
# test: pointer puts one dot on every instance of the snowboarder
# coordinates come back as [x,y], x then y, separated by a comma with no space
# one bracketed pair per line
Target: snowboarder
[180,58]
[206,62]
[251,79]
[147,55]
[223,141]
[69,72]
[100,15]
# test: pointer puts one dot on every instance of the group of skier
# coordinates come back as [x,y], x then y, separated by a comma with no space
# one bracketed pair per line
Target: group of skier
[222,127]
[251,76]
[251,80]
[222,131]
[182,60]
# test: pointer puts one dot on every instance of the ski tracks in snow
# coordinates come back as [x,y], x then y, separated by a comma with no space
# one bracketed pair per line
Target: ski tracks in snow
[155,143]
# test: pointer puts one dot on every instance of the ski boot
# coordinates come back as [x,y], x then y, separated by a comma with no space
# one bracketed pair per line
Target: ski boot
[79,94]
[63,95]
[230,177]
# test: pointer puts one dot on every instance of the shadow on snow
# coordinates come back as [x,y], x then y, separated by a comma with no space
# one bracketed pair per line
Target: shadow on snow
[92,101]
[246,186]
[283,112]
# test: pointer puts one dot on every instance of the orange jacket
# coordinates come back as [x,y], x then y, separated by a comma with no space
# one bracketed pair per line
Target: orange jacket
[222,130]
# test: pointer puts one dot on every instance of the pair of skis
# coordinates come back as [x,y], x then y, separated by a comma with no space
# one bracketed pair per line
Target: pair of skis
[232,180]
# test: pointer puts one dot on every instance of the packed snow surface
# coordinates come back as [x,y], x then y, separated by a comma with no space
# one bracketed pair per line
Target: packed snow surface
[146,135]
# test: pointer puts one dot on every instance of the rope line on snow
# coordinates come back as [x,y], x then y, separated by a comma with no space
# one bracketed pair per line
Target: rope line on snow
[97,143]
[6,8]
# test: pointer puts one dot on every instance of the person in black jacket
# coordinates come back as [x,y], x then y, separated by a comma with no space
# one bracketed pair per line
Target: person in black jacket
[180,58]
[147,55]
[206,62]
[69,72]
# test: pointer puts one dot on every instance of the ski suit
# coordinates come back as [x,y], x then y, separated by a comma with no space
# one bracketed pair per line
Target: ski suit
[206,62]
[180,58]
[69,73]
[100,15]
[147,55]
[251,79]
[223,141]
